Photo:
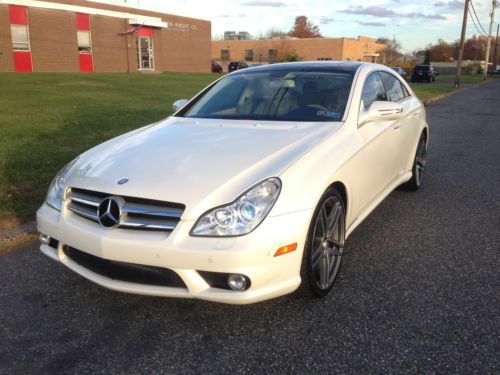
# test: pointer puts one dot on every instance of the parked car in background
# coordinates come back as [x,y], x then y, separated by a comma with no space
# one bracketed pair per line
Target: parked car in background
[216,68]
[423,73]
[247,192]
[399,70]
[236,65]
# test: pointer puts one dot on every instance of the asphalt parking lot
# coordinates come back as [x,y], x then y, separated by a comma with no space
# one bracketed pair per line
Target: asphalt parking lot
[419,290]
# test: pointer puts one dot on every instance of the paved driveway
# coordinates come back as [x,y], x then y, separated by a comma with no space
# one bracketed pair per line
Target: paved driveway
[418,292]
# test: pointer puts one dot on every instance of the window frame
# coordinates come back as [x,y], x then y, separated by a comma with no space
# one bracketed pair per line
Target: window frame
[272,54]
[227,53]
[25,43]
[81,47]
[249,55]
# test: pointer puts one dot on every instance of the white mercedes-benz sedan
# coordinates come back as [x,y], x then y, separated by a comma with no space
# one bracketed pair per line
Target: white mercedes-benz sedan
[247,192]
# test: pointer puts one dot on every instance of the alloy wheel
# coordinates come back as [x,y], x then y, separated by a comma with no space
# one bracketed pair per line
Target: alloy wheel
[327,243]
[420,160]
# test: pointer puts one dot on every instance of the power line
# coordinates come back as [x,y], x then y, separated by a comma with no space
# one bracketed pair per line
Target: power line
[477,28]
[477,18]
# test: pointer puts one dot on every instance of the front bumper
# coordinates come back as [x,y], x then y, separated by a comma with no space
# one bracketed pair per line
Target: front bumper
[251,255]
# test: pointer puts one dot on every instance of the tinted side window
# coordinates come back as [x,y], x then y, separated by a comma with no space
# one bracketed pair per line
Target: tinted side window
[373,90]
[393,87]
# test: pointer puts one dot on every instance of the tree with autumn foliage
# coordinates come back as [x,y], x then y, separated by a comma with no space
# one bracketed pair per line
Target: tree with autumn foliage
[391,53]
[303,28]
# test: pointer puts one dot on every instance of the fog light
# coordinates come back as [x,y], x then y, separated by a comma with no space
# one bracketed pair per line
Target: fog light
[44,239]
[237,282]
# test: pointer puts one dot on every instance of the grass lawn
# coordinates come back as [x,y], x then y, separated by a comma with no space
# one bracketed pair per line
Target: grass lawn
[428,90]
[465,78]
[48,119]
[444,84]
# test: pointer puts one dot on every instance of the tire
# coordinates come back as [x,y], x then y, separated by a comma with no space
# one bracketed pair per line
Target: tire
[418,167]
[323,251]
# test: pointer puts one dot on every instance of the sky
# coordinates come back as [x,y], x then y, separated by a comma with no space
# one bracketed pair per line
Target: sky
[415,23]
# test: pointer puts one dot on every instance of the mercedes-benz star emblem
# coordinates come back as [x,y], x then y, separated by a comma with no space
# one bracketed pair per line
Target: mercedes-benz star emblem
[109,212]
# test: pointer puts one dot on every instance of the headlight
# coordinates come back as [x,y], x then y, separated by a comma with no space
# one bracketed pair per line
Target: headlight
[56,189]
[241,216]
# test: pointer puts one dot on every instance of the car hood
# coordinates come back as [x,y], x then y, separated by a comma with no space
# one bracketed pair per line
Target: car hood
[197,162]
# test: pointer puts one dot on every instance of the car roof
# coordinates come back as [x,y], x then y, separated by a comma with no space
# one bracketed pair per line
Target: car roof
[347,66]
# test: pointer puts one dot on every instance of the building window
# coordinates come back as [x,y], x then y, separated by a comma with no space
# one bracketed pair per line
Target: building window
[83,41]
[273,55]
[224,54]
[20,38]
[249,55]
[324,59]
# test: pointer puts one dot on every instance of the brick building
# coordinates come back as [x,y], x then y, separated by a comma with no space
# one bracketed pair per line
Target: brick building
[272,50]
[86,36]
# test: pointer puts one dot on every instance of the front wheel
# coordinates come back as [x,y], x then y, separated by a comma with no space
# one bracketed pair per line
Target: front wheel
[418,165]
[324,246]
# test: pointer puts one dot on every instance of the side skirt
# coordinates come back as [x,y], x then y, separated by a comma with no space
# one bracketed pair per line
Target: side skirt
[402,179]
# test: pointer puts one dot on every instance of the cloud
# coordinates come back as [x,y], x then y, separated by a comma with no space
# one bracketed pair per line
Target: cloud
[373,23]
[326,20]
[450,4]
[264,3]
[241,15]
[376,11]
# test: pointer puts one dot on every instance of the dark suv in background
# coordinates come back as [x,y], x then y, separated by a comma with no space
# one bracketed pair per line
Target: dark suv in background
[236,65]
[423,73]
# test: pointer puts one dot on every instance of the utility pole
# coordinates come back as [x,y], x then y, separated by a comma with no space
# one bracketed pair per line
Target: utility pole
[462,42]
[496,46]
[488,45]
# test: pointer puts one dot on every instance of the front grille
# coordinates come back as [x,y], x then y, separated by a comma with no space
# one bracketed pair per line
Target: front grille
[136,213]
[122,271]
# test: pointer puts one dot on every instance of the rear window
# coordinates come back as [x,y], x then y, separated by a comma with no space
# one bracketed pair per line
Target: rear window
[422,67]
[276,95]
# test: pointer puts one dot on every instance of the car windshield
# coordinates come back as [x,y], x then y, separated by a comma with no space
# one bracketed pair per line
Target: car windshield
[276,95]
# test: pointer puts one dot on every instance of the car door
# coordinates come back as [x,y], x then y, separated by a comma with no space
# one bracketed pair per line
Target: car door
[408,125]
[375,161]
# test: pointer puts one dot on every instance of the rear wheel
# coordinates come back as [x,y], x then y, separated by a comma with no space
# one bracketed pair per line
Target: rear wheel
[418,165]
[324,246]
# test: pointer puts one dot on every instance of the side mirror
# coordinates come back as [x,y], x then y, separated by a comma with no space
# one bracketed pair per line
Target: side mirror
[381,111]
[178,104]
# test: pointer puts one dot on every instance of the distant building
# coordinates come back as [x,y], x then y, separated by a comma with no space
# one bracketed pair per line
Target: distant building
[87,36]
[317,49]
[233,35]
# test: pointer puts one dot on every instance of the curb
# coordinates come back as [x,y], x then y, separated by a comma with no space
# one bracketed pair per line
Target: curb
[18,236]
[428,102]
